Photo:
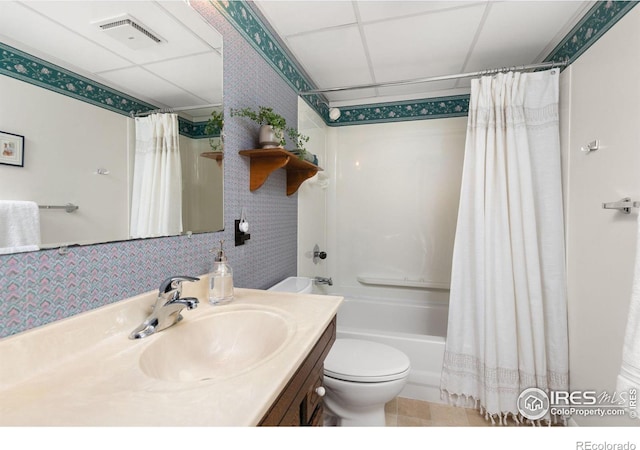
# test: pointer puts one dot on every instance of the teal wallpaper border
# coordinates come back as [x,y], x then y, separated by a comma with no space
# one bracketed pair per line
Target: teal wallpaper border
[595,23]
[251,27]
[432,108]
[31,69]
[25,67]
[194,130]
[600,18]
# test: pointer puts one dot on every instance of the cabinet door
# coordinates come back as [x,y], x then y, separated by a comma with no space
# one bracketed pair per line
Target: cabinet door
[309,410]
[299,403]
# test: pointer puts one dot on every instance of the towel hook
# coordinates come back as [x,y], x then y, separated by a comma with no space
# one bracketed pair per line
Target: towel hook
[624,205]
[591,146]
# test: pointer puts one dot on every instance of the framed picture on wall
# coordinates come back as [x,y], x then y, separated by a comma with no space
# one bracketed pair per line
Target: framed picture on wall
[11,149]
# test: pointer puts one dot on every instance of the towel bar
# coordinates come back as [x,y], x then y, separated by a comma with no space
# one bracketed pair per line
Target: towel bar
[423,284]
[69,207]
[623,205]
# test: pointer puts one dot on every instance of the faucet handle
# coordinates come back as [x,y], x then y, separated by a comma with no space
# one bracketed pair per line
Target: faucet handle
[175,283]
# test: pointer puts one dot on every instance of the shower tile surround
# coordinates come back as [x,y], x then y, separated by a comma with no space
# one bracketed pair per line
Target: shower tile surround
[45,286]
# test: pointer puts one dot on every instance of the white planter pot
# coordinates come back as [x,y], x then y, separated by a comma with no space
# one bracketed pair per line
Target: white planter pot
[268,137]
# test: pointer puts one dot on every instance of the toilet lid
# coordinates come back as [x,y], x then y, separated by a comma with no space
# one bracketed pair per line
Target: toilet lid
[365,361]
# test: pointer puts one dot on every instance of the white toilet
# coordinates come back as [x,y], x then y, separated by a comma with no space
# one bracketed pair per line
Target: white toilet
[359,376]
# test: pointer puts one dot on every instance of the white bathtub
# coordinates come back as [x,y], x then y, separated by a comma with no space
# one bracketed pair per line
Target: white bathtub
[417,328]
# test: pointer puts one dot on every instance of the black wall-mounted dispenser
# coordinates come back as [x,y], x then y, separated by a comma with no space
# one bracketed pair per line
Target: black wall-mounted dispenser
[241,236]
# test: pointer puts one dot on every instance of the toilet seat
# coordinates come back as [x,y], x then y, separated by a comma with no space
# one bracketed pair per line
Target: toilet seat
[365,362]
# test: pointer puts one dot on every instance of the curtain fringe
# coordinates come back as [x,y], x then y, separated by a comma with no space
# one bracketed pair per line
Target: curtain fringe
[501,418]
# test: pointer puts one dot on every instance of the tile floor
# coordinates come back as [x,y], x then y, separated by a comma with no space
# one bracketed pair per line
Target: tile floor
[404,412]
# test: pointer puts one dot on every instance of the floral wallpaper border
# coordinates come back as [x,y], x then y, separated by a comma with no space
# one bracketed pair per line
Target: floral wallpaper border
[25,67]
[194,130]
[432,108]
[596,22]
[600,18]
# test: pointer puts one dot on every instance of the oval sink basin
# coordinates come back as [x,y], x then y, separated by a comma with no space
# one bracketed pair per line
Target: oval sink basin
[216,347]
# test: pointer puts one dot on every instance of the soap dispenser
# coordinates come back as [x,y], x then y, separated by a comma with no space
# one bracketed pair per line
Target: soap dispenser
[220,280]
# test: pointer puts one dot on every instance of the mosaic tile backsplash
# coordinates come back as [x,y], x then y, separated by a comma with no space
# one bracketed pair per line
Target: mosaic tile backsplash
[44,286]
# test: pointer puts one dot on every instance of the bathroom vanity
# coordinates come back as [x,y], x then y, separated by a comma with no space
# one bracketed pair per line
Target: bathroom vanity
[256,361]
[300,403]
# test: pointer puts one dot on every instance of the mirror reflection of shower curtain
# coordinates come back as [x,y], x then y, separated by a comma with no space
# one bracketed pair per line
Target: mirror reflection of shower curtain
[156,201]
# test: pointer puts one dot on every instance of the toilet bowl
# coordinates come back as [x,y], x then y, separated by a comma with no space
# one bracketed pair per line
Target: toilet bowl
[359,376]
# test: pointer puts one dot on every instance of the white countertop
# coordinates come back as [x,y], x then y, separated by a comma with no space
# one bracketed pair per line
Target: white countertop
[85,371]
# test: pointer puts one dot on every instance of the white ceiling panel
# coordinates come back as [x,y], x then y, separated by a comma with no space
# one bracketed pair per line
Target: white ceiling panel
[194,22]
[290,17]
[517,33]
[337,43]
[419,90]
[402,40]
[385,10]
[200,75]
[34,31]
[83,16]
[413,47]
[188,66]
[143,84]
[351,97]
[333,57]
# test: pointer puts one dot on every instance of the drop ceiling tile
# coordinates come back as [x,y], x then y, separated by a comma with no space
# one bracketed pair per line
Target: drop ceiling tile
[350,96]
[293,17]
[34,33]
[417,90]
[381,97]
[200,75]
[384,10]
[144,85]
[82,16]
[516,33]
[194,22]
[332,57]
[413,47]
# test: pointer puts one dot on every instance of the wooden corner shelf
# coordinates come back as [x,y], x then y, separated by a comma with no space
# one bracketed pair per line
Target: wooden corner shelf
[266,160]
[218,156]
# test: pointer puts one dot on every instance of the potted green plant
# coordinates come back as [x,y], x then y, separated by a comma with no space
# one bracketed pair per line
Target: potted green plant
[299,140]
[214,126]
[272,125]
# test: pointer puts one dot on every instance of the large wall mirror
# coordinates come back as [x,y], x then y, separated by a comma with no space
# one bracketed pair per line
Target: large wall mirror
[76,77]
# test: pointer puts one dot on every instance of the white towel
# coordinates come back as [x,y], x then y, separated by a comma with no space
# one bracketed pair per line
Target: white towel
[19,226]
[629,377]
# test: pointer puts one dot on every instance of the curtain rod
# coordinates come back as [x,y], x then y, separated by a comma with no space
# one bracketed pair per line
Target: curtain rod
[172,110]
[545,65]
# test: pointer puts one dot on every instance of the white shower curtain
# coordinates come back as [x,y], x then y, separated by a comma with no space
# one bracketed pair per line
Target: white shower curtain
[156,202]
[507,315]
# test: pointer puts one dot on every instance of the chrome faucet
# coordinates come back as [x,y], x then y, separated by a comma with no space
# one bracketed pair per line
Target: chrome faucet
[166,311]
[323,280]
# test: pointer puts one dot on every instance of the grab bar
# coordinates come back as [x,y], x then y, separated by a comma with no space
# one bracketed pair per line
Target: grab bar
[69,207]
[624,205]
[404,283]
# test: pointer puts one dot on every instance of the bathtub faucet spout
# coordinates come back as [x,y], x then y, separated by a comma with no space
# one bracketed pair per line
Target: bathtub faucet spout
[323,280]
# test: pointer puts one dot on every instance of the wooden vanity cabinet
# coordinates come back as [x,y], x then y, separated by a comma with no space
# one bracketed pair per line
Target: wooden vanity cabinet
[299,404]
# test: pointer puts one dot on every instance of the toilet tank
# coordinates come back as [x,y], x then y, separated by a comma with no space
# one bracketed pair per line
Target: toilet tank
[298,285]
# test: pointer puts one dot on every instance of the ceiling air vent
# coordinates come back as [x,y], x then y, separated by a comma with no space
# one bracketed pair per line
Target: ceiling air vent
[129,31]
